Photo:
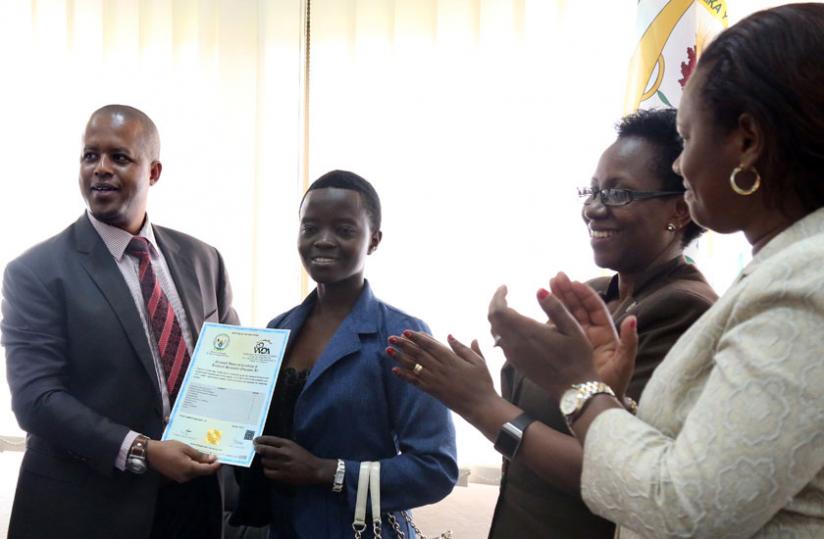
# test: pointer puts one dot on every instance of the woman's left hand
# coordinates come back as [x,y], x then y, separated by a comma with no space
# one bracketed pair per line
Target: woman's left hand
[287,462]
[458,377]
[553,356]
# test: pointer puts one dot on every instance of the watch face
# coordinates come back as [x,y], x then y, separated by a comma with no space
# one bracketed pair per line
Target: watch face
[508,440]
[569,402]
[136,465]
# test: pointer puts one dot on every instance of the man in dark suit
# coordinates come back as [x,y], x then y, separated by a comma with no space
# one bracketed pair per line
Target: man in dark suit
[98,325]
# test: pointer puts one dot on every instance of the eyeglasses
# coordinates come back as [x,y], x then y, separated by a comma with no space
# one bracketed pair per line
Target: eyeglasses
[620,197]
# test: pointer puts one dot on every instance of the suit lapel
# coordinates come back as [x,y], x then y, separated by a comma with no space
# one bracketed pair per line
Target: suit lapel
[102,269]
[346,340]
[184,277]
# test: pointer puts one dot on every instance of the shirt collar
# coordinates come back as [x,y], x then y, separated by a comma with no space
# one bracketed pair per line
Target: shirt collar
[116,239]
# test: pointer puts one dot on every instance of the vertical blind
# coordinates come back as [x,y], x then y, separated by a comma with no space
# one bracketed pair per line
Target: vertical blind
[474,119]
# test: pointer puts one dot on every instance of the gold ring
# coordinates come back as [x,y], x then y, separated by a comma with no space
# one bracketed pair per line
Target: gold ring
[417,368]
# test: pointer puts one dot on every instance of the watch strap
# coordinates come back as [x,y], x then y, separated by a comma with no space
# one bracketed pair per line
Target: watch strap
[586,391]
[137,457]
[139,447]
[511,435]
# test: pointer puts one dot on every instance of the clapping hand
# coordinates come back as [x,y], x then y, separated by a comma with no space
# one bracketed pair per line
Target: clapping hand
[579,345]
[613,354]
[457,376]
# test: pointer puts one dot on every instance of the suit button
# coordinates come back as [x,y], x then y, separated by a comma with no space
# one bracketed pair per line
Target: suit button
[165,420]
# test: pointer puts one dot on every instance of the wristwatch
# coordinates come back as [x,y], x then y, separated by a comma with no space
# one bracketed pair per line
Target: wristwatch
[136,461]
[575,398]
[340,474]
[510,436]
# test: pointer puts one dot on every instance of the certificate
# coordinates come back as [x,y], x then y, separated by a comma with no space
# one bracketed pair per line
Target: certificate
[224,398]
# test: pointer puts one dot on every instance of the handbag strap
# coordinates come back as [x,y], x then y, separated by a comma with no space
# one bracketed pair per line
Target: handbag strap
[369,486]
[375,490]
[359,522]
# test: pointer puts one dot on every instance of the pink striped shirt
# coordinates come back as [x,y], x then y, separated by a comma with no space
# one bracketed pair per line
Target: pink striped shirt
[116,241]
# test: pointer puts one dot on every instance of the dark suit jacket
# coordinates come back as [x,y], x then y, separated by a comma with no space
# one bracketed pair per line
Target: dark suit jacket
[81,376]
[666,302]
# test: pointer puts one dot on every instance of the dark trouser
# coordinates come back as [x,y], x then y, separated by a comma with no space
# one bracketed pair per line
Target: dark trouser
[188,510]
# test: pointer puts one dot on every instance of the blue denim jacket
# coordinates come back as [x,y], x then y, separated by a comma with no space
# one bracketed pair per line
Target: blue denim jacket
[353,408]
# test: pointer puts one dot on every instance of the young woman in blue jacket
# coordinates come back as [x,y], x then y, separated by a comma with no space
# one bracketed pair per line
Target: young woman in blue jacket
[336,402]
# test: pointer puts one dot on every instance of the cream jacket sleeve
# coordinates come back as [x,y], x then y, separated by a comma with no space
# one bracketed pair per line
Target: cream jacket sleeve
[729,441]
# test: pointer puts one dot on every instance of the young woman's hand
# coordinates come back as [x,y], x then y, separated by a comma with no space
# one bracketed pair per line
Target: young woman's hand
[285,461]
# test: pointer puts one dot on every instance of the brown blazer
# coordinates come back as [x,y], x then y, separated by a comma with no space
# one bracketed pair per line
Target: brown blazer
[666,302]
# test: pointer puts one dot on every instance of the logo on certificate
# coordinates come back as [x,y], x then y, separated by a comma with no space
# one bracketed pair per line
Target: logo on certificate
[213,436]
[221,342]
[262,347]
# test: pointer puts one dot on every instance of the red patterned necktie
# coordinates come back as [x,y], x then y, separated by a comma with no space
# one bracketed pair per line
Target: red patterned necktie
[166,330]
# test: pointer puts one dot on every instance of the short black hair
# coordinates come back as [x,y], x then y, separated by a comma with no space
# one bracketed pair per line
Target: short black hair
[769,65]
[150,132]
[657,127]
[343,179]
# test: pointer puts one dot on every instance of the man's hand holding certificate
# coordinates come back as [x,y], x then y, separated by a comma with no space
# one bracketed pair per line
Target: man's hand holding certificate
[225,396]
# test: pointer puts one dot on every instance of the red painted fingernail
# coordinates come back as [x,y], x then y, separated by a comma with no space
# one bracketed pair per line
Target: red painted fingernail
[543,293]
[393,340]
[391,352]
[633,323]
[450,337]
[407,333]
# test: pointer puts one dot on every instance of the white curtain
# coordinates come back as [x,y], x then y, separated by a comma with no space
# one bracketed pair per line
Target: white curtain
[222,81]
[475,120]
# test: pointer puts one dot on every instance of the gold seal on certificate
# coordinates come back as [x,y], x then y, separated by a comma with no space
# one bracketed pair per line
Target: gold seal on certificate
[225,396]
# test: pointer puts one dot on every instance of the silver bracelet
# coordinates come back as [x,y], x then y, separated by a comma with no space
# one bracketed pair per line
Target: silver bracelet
[631,405]
[340,473]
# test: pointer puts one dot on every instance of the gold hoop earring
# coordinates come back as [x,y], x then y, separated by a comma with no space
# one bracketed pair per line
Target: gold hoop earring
[671,227]
[739,190]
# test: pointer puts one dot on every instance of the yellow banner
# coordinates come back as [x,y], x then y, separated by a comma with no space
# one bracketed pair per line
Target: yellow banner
[717,8]
[648,52]
[672,34]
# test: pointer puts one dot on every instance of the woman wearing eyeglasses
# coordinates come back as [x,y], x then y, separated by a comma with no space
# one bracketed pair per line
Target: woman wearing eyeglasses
[639,226]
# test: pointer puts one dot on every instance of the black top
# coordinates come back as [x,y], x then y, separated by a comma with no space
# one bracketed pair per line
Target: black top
[282,411]
[280,423]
